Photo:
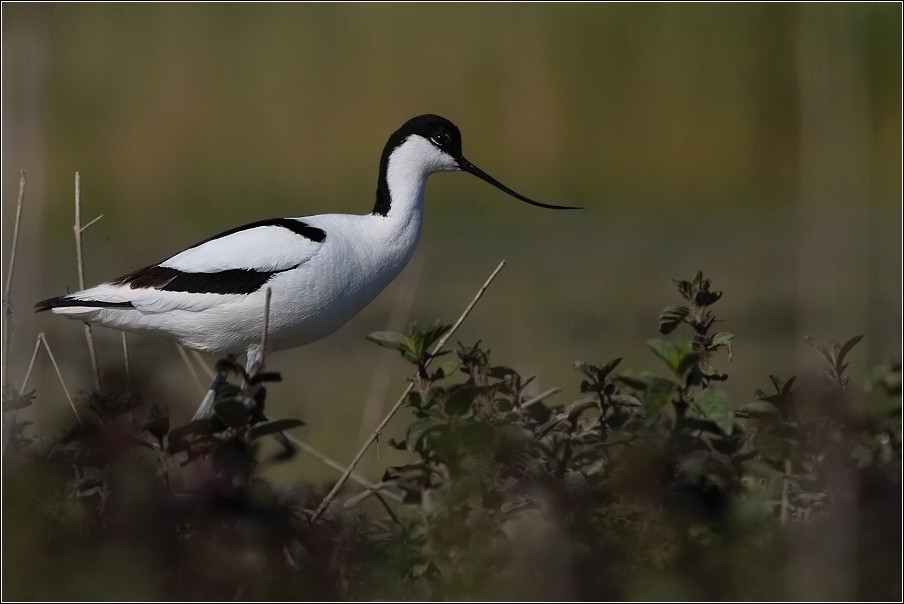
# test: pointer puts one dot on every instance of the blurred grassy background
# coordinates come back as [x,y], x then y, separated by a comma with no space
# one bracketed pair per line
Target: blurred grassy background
[759,143]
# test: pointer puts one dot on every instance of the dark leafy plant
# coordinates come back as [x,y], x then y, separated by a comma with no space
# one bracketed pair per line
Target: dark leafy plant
[650,485]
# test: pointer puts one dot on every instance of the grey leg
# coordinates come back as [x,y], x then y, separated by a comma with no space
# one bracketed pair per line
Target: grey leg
[206,405]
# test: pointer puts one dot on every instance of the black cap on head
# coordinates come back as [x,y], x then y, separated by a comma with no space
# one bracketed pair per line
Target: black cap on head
[445,136]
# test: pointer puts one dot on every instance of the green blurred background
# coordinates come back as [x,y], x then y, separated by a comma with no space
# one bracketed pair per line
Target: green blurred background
[759,143]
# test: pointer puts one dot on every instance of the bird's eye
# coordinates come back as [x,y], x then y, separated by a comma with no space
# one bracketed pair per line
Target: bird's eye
[440,139]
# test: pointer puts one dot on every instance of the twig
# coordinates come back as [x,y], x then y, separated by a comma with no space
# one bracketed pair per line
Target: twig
[369,486]
[7,308]
[541,396]
[314,452]
[10,419]
[191,368]
[376,433]
[77,228]
[356,499]
[42,339]
[84,228]
[31,364]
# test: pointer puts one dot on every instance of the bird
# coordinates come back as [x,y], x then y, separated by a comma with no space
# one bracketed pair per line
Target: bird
[321,270]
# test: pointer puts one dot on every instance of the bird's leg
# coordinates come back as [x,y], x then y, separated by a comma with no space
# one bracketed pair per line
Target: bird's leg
[255,360]
[206,405]
[253,365]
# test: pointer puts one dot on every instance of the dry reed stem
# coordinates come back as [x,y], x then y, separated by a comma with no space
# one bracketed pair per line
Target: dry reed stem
[77,228]
[376,433]
[191,368]
[42,339]
[7,308]
[356,499]
[541,396]
[31,364]
[314,452]
[368,486]
[210,373]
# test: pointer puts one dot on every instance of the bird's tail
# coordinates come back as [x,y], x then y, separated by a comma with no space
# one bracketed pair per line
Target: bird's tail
[70,304]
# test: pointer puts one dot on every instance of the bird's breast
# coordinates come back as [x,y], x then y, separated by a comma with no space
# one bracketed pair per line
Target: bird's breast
[318,297]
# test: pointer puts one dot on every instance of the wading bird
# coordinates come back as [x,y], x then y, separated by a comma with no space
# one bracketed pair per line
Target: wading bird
[322,270]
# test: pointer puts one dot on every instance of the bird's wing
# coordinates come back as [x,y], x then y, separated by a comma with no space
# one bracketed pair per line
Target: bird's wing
[226,267]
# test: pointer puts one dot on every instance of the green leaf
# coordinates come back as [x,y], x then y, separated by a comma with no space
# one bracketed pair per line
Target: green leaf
[786,389]
[686,358]
[476,435]
[389,339]
[606,369]
[446,369]
[715,405]
[657,393]
[418,430]
[433,333]
[579,406]
[847,346]
[721,339]
[232,412]
[272,427]
[16,401]
[678,358]
[705,297]
[665,351]
[460,399]
[591,371]
[671,318]
[822,350]
[777,382]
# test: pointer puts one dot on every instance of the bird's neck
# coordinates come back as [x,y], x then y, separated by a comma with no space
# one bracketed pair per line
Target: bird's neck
[400,188]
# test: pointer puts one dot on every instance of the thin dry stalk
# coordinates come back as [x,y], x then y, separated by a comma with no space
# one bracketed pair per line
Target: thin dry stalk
[77,228]
[7,308]
[42,339]
[191,368]
[210,373]
[310,450]
[31,364]
[376,433]
[356,499]
[369,486]
[541,396]
[10,420]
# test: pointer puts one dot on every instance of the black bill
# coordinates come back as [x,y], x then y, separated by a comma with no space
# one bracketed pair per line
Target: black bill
[467,166]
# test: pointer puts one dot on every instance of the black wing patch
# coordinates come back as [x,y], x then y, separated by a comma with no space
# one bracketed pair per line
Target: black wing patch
[232,281]
[296,226]
[63,301]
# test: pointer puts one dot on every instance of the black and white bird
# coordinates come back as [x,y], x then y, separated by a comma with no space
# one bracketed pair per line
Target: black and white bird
[321,270]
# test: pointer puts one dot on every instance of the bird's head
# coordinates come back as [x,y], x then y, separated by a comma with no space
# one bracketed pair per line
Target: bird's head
[427,144]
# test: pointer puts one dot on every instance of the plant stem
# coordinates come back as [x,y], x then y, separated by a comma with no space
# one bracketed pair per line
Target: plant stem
[77,228]
[7,308]
[376,433]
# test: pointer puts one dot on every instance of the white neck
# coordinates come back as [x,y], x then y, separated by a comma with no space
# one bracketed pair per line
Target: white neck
[407,170]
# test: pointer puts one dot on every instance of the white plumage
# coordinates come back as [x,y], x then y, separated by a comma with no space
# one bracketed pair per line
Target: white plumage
[322,270]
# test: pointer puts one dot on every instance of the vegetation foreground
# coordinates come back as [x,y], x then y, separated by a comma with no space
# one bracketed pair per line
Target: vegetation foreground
[649,486]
